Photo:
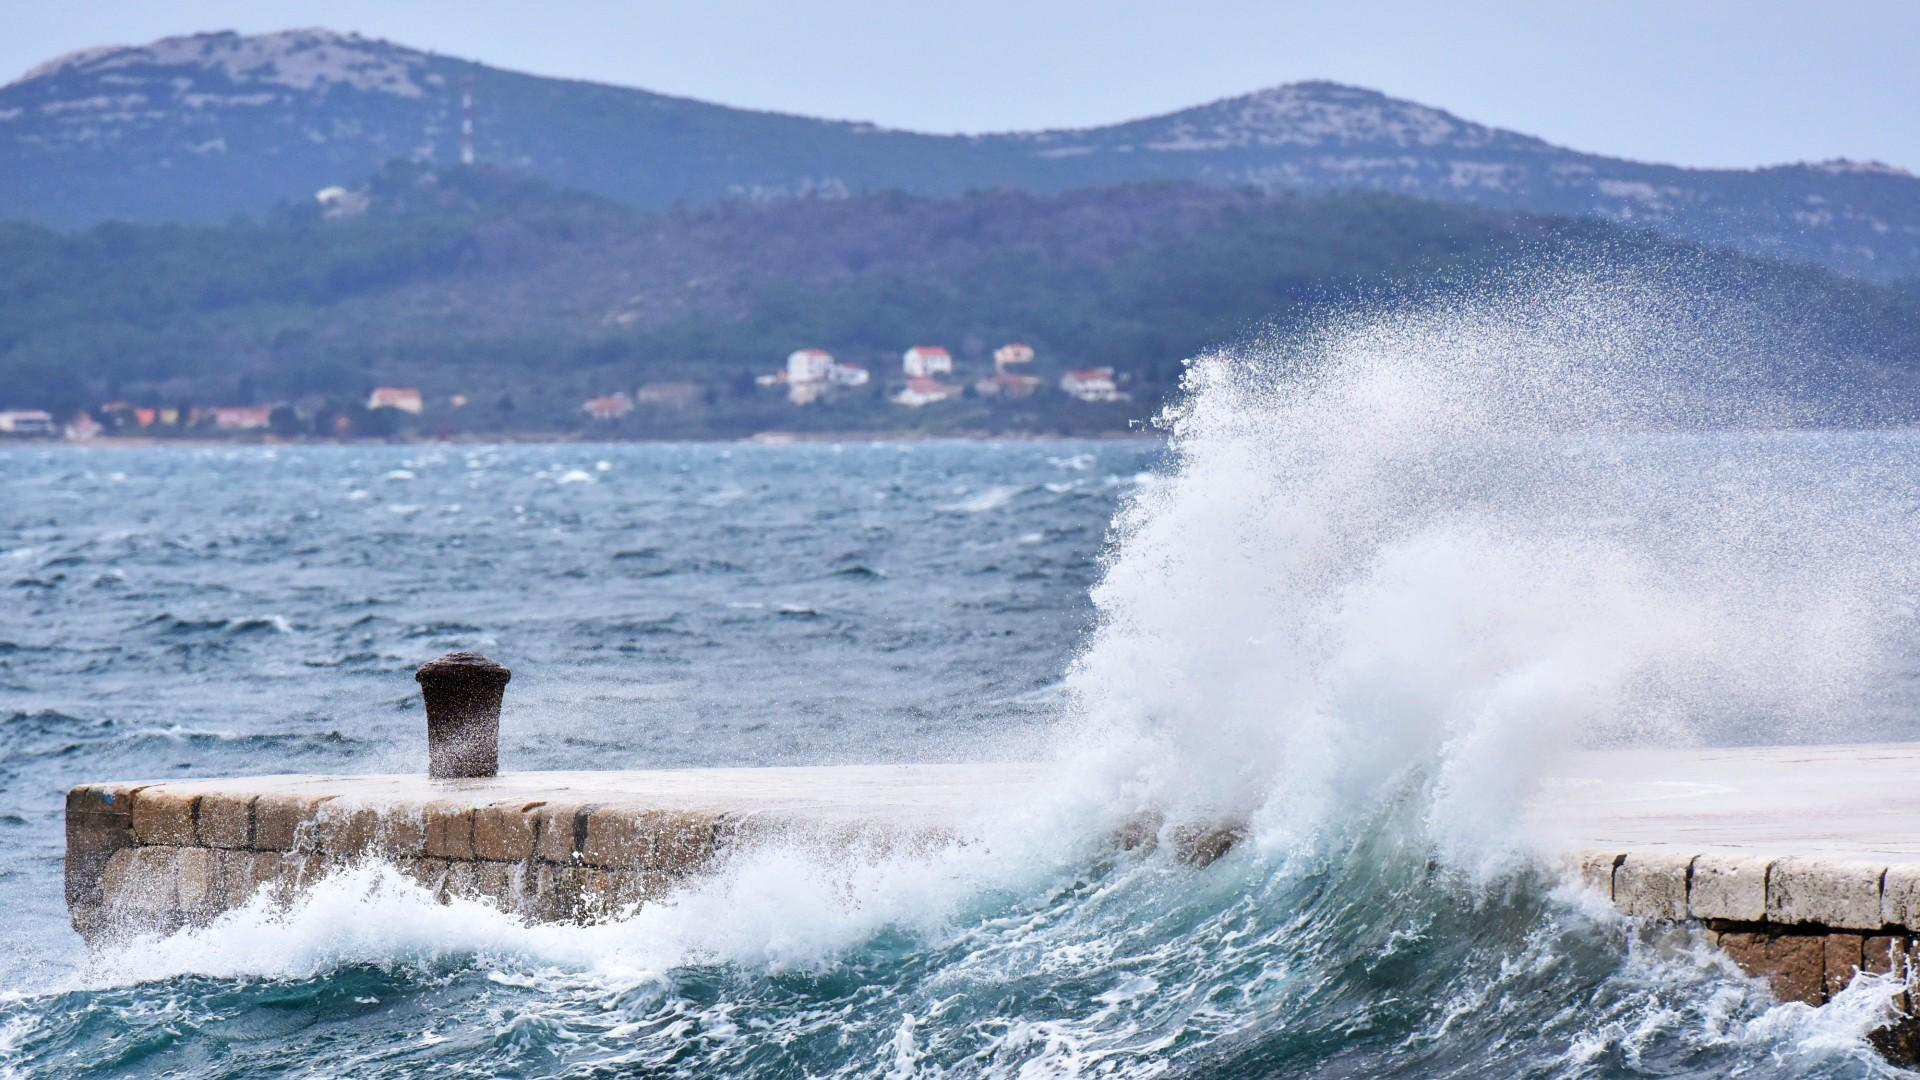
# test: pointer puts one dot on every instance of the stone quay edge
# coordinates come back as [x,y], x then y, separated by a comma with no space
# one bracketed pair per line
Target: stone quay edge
[1801,863]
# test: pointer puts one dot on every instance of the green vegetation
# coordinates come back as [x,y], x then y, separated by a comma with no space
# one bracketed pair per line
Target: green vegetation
[528,301]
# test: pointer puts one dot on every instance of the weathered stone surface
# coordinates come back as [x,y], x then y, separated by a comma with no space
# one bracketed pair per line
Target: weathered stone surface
[1838,895]
[1794,965]
[495,882]
[195,878]
[161,816]
[281,821]
[92,838]
[359,831]
[1201,845]
[449,831]
[1595,870]
[142,880]
[561,830]
[1728,887]
[1652,886]
[431,874]
[1900,896]
[665,841]
[557,893]
[241,874]
[1842,960]
[225,820]
[505,833]
[1885,954]
[101,799]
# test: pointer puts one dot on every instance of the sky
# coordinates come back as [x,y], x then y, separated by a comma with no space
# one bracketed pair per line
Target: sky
[1711,83]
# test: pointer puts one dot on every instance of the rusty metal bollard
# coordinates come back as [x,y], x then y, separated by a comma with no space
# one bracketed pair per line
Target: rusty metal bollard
[463,692]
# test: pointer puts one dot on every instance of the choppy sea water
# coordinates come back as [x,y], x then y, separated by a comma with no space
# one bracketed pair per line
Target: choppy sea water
[1357,613]
[215,612]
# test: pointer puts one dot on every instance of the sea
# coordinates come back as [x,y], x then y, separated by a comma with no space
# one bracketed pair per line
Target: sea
[1358,609]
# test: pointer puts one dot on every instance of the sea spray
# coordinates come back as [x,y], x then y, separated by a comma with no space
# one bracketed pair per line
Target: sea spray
[1439,545]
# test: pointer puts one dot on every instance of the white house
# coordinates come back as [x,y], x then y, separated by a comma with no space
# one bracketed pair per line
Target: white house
[922,391]
[1091,384]
[404,398]
[26,422]
[848,375]
[809,365]
[1012,353]
[926,361]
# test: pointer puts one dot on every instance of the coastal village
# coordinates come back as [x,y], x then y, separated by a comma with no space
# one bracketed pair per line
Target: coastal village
[928,377]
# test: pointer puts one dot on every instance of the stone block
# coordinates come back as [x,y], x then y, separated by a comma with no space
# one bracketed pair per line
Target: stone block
[504,833]
[1885,954]
[355,832]
[560,832]
[91,840]
[668,841]
[225,821]
[1652,886]
[242,874]
[1843,959]
[429,874]
[101,799]
[195,879]
[1837,895]
[449,831]
[283,822]
[494,882]
[1730,887]
[363,831]
[558,893]
[293,871]
[1794,965]
[162,815]
[141,880]
[1199,846]
[1900,897]
[1595,870]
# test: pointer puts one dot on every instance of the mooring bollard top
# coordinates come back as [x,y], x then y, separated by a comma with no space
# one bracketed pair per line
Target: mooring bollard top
[462,667]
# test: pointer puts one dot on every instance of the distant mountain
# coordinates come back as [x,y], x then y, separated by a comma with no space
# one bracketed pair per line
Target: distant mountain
[197,129]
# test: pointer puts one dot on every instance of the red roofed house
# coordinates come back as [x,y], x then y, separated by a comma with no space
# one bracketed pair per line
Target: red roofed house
[926,361]
[1092,384]
[405,399]
[923,392]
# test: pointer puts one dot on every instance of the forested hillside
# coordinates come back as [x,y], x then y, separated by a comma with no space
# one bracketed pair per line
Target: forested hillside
[527,300]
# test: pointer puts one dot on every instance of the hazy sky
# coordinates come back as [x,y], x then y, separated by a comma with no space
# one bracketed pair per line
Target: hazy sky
[1696,82]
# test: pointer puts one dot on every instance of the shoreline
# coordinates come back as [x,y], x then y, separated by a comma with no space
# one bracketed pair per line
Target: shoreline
[760,438]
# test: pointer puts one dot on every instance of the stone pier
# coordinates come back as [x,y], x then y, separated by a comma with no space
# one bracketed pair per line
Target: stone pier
[1802,863]
[144,856]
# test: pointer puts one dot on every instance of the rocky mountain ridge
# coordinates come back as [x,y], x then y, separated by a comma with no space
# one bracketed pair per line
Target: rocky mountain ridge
[200,128]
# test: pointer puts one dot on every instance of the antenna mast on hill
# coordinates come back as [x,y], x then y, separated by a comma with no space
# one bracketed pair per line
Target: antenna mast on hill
[466,122]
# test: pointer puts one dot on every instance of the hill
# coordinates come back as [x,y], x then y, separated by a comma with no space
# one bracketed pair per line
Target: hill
[527,300]
[196,129]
